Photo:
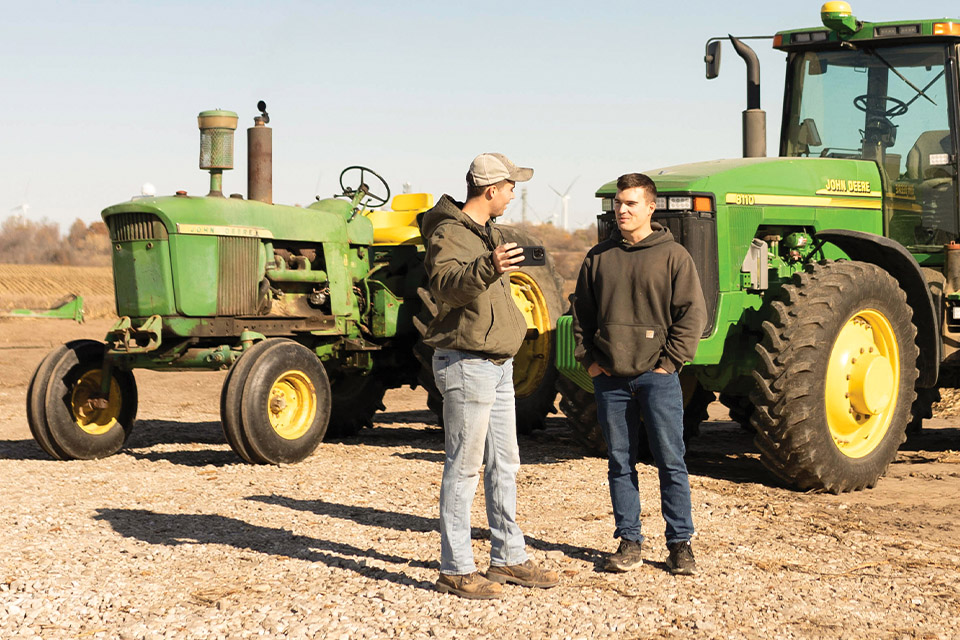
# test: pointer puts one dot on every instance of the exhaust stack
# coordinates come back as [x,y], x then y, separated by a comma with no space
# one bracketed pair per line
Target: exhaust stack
[754,118]
[260,157]
[216,145]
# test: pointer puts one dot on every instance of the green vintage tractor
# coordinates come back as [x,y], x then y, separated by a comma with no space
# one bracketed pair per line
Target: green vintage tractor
[316,311]
[831,273]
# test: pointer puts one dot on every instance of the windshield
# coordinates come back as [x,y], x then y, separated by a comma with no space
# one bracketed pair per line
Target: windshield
[889,106]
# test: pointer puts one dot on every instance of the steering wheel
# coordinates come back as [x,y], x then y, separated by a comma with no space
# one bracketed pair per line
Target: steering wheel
[898,109]
[372,198]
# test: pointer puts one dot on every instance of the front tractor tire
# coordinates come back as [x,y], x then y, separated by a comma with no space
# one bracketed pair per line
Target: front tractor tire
[835,384]
[275,404]
[67,416]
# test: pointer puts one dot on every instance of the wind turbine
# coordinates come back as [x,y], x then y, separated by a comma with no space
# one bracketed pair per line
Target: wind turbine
[24,206]
[564,203]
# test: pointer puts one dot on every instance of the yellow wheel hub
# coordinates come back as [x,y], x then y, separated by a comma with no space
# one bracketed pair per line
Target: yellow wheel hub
[94,414]
[863,379]
[531,362]
[292,405]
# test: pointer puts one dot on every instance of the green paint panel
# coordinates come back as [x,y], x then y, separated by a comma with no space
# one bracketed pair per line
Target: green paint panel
[195,270]
[565,362]
[386,311]
[143,279]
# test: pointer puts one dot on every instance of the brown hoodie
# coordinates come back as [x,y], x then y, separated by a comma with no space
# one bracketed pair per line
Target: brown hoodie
[638,307]
[476,312]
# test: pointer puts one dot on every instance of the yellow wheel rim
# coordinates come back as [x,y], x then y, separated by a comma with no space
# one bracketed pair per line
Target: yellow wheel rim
[86,405]
[531,362]
[862,385]
[292,405]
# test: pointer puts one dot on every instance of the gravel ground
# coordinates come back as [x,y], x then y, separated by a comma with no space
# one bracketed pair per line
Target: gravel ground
[175,538]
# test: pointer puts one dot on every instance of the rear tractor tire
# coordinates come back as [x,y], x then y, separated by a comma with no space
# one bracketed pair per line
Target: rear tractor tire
[836,377]
[67,417]
[276,403]
[355,401]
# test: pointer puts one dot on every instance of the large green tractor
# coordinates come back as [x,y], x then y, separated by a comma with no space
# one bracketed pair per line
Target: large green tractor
[316,311]
[831,273]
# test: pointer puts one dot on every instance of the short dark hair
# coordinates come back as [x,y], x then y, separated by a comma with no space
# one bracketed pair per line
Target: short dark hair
[473,191]
[634,180]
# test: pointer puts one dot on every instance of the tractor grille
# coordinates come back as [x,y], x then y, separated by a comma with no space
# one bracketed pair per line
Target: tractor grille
[136,226]
[238,276]
[697,232]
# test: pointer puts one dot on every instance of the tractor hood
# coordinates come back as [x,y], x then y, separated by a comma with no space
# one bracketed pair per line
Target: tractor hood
[734,179]
[324,221]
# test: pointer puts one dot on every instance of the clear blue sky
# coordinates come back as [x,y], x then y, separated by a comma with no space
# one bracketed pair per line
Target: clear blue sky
[100,97]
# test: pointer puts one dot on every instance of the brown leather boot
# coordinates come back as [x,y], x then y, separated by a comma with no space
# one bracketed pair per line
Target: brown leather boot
[470,585]
[527,574]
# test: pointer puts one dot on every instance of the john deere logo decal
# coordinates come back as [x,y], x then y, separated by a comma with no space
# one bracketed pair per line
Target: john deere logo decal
[843,187]
[223,230]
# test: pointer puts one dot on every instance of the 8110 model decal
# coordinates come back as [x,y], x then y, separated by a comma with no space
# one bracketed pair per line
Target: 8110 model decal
[846,202]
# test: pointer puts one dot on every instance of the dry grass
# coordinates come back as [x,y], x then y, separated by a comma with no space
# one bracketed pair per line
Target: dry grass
[37,286]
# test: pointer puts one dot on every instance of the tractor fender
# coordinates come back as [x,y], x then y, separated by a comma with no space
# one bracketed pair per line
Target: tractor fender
[894,258]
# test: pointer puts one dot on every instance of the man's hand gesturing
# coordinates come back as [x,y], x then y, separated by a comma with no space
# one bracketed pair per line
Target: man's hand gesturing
[506,256]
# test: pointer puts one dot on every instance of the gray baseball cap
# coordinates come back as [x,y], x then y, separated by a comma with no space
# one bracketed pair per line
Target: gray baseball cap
[491,168]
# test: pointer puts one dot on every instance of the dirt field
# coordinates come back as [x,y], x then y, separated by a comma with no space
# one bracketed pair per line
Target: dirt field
[175,538]
[31,286]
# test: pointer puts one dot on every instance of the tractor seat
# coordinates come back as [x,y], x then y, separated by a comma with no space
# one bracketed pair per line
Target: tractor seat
[399,225]
[929,144]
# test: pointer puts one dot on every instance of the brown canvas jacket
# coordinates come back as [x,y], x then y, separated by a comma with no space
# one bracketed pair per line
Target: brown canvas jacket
[476,311]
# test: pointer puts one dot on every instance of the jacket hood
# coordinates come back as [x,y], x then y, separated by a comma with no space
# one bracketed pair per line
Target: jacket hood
[659,236]
[446,210]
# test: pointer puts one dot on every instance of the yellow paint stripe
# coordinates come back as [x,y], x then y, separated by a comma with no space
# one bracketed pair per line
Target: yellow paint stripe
[760,199]
[828,192]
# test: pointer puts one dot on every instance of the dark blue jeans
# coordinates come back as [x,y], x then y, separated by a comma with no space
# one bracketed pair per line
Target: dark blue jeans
[652,401]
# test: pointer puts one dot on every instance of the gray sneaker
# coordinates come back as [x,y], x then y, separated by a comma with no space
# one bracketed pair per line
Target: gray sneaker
[681,561]
[626,557]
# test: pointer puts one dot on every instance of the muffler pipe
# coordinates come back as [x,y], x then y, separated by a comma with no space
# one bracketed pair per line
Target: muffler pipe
[260,157]
[754,118]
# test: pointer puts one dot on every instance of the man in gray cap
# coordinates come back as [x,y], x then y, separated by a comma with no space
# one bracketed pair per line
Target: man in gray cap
[475,334]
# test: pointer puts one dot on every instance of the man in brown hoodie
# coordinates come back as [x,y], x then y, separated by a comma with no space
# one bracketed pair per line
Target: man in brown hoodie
[638,314]
[475,334]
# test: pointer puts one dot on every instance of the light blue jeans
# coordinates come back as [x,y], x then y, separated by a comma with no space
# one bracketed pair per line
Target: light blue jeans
[480,427]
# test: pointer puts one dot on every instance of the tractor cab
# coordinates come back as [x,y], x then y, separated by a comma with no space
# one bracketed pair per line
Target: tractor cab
[885,93]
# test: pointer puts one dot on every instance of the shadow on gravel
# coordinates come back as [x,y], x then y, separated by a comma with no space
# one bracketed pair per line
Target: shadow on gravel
[407,522]
[201,458]
[151,433]
[932,439]
[720,452]
[172,529]
[406,417]
[430,439]
[426,456]
[22,450]
[148,433]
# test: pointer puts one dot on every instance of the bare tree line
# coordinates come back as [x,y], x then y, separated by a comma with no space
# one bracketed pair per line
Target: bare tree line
[25,241]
